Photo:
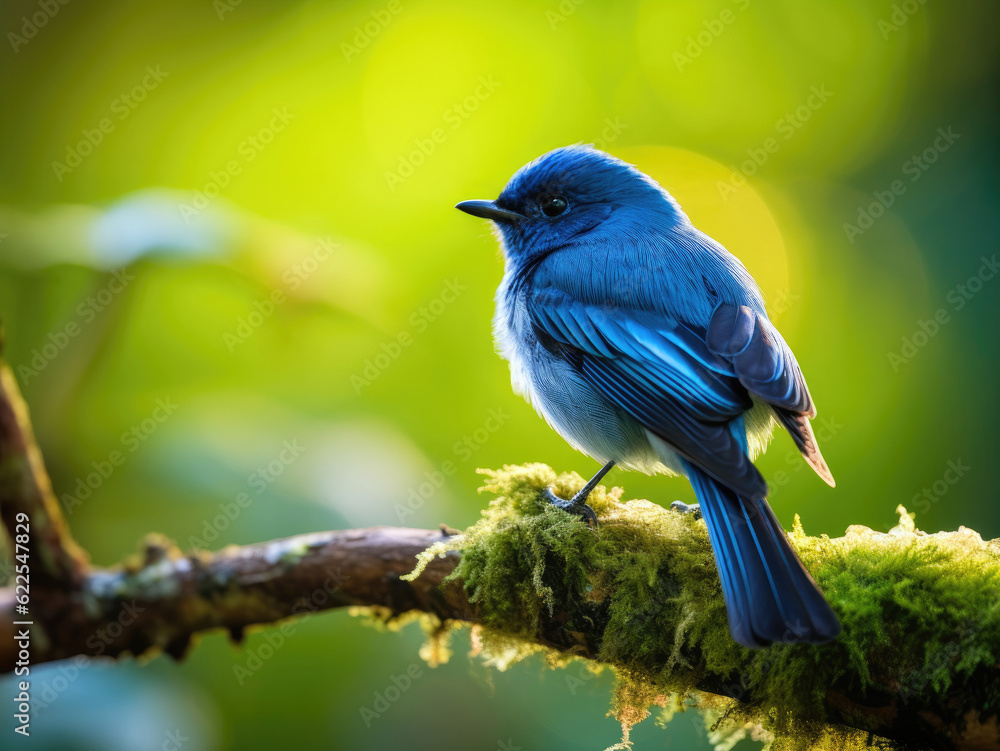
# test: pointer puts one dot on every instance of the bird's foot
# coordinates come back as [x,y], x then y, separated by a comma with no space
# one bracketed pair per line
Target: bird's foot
[684,508]
[575,505]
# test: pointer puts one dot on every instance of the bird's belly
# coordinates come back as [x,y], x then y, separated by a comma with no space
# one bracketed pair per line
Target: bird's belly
[579,413]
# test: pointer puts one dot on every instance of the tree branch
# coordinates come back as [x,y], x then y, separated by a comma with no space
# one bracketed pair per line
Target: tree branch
[26,492]
[169,598]
[165,598]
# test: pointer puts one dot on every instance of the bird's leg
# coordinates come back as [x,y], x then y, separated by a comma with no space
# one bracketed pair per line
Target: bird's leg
[578,503]
[684,508]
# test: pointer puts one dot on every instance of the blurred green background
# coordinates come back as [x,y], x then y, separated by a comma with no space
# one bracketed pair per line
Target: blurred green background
[219,221]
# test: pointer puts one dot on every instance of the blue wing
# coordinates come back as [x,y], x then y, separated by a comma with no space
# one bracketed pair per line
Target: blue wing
[762,361]
[766,367]
[659,371]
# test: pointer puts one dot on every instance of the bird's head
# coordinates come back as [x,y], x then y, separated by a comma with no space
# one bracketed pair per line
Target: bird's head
[569,194]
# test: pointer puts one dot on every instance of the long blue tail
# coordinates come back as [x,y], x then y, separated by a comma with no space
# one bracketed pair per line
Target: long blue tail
[769,595]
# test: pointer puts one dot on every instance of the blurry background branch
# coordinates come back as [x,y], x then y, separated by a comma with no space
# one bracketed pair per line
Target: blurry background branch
[25,491]
[160,599]
[163,598]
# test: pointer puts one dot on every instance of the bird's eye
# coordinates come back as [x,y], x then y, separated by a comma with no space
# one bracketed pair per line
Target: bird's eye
[553,205]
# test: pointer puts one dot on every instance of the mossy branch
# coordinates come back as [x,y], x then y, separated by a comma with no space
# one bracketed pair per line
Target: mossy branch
[918,662]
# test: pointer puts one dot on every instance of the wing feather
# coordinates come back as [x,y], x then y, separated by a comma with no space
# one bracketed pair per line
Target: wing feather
[765,365]
[661,373]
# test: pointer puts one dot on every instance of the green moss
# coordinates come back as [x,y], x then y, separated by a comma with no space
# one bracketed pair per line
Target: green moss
[920,612]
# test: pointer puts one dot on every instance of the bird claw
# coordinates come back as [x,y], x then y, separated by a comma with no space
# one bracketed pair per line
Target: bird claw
[684,508]
[575,506]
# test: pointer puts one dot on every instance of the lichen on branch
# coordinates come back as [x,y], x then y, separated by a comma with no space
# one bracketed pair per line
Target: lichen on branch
[917,660]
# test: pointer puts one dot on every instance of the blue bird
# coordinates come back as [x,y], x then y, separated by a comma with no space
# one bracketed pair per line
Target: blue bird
[645,344]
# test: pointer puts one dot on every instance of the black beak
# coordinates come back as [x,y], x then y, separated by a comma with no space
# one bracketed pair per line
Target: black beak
[489,210]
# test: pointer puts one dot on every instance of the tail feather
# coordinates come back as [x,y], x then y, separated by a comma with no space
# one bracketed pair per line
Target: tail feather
[769,595]
[797,424]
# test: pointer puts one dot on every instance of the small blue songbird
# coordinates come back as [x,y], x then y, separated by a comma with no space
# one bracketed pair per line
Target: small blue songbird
[645,344]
